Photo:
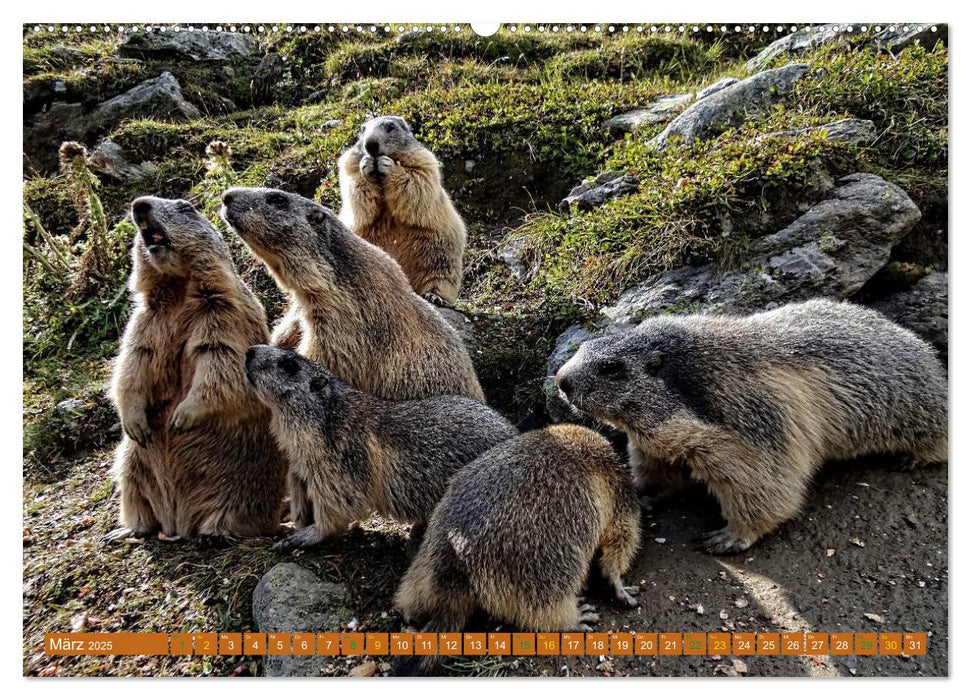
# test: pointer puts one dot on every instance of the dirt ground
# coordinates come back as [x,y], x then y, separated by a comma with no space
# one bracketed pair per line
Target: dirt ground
[887,531]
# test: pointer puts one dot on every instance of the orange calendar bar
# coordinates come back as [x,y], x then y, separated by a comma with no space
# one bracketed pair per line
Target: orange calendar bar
[278,644]
[206,643]
[303,643]
[230,644]
[743,643]
[450,643]
[645,644]
[500,643]
[597,643]
[891,644]
[426,644]
[402,644]
[376,644]
[106,644]
[817,643]
[475,644]
[180,645]
[767,643]
[352,643]
[328,643]
[695,643]
[572,643]
[621,643]
[866,643]
[793,643]
[915,643]
[719,643]
[524,644]
[669,643]
[841,643]
[548,644]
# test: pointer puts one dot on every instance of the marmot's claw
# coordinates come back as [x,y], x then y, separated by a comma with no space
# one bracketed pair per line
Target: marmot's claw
[185,417]
[584,628]
[212,541]
[368,166]
[625,596]
[722,542]
[301,539]
[385,164]
[432,298]
[120,533]
[587,615]
[138,431]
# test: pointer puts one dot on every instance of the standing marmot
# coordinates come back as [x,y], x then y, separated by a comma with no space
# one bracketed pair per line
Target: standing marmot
[358,315]
[754,405]
[197,457]
[517,530]
[391,187]
[351,453]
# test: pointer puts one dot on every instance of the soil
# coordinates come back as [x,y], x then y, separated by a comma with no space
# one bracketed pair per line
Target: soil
[887,531]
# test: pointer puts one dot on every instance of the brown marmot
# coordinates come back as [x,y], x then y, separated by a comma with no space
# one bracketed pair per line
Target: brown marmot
[392,196]
[753,405]
[517,530]
[359,317]
[352,453]
[197,458]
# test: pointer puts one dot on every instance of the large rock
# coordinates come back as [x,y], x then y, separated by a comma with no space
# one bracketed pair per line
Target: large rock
[730,105]
[798,43]
[108,159]
[830,251]
[191,45]
[291,599]
[926,35]
[159,98]
[461,323]
[656,112]
[595,193]
[856,131]
[922,308]
[715,87]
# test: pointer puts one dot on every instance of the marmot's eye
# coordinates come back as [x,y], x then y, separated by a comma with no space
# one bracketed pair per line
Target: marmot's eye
[654,362]
[288,365]
[277,199]
[389,127]
[611,368]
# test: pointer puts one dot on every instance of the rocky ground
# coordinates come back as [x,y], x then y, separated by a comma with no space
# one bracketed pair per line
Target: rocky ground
[605,179]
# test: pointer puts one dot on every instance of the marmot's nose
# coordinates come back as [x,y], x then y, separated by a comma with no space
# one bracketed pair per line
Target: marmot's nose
[372,147]
[565,385]
[140,208]
[227,200]
[250,353]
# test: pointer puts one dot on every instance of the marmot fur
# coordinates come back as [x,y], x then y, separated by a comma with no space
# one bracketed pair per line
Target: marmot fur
[359,318]
[752,406]
[351,453]
[517,530]
[391,187]
[197,457]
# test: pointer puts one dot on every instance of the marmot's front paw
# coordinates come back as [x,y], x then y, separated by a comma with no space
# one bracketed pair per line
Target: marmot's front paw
[433,298]
[368,166]
[301,539]
[136,427]
[723,541]
[187,415]
[385,164]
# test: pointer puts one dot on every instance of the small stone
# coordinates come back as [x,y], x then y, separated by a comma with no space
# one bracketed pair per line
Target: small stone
[874,617]
[741,603]
[830,552]
[660,540]
[368,668]
[740,666]
[723,614]
[700,609]
[857,541]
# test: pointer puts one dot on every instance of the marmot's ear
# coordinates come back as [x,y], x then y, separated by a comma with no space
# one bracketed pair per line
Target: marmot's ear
[405,125]
[289,365]
[316,216]
[318,384]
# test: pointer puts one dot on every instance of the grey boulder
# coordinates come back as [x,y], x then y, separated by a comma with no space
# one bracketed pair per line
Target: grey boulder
[799,42]
[922,308]
[291,599]
[855,131]
[926,35]
[656,112]
[730,105]
[192,45]
[597,192]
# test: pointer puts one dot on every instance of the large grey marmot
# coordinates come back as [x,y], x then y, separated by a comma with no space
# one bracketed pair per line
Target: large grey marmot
[517,530]
[197,458]
[358,315]
[391,187]
[753,405]
[352,454]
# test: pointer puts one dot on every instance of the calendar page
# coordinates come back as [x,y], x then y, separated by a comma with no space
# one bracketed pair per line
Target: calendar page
[576,349]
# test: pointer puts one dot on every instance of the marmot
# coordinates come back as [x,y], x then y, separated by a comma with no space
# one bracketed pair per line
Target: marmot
[517,530]
[392,196]
[753,405]
[359,317]
[351,453]
[197,458]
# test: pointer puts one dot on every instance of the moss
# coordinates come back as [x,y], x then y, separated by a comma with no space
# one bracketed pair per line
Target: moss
[632,58]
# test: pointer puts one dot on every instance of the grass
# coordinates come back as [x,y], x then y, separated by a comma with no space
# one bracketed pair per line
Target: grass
[516,120]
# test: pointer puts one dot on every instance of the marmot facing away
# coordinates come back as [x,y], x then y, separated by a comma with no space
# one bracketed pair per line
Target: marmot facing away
[391,187]
[197,457]
[753,406]
[517,530]
[358,316]
[351,453]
